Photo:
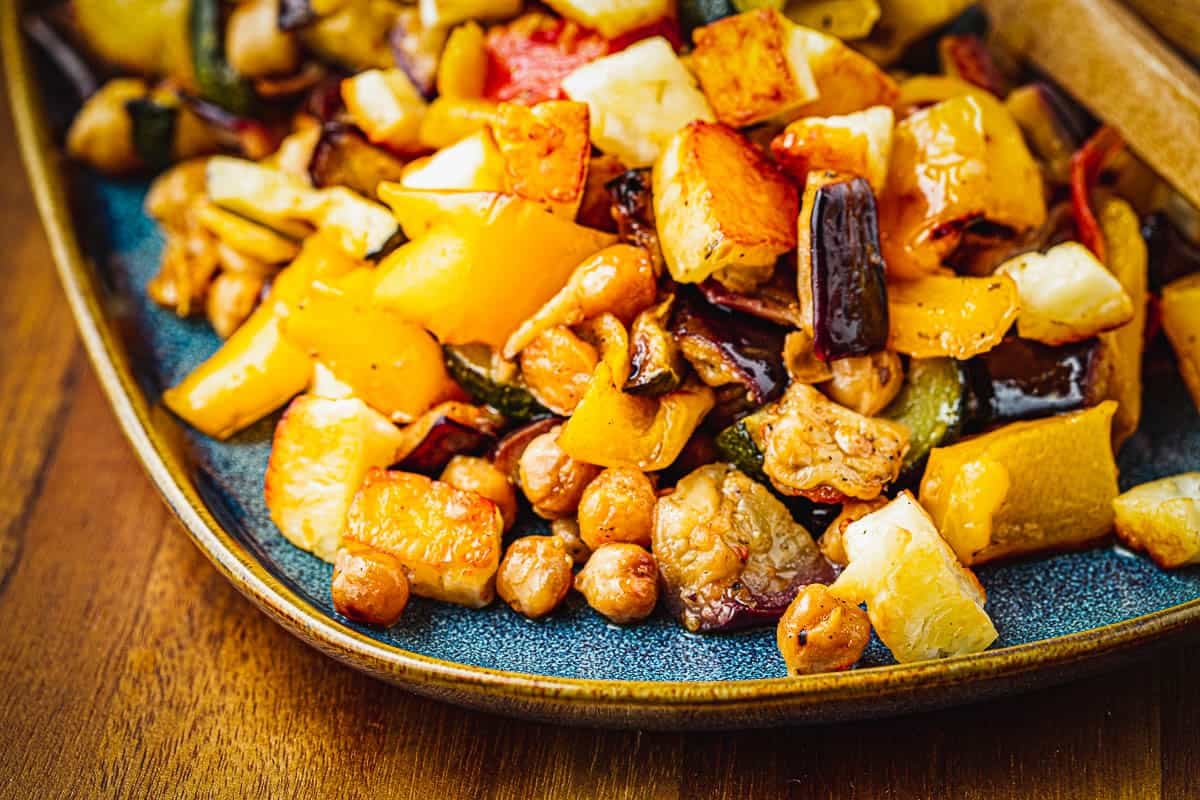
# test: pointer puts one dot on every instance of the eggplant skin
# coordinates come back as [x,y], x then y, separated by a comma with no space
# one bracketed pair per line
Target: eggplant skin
[747,350]
[850,308]
[344,157]
[446,438]
[1022,379]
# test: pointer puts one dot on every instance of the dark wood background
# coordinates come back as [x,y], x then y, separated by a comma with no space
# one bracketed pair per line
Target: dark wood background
[130,668]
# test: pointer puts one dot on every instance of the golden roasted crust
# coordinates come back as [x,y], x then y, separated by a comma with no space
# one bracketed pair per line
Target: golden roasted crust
[721,205]
[1162,518]
[748,68]
[546,152]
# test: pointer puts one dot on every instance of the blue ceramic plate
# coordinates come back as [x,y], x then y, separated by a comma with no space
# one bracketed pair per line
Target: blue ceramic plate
[1056,616]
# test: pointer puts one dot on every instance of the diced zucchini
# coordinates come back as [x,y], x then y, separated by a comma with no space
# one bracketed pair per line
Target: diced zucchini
[218,81]
[471,366]
[740,444]
[266,195]
[932,405]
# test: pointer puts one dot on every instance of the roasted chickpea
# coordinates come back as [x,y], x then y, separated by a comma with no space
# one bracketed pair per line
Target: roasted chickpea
[821,633]
[618,506]
[620,581]
[173,193]
[866,384]
[551,479]
[568,531]
[254,44]
[557,366]
[369,585]
[535,575]
[852,511]
[480,476]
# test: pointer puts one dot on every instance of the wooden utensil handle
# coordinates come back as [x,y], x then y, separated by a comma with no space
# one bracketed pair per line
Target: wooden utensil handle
[1106,57]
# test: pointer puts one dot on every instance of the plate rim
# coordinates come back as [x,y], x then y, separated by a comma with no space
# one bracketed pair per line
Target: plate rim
[588,700]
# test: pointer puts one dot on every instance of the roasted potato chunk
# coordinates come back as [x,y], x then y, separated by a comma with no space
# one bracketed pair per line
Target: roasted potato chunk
[637,99]
[620,581]
[1066,295]
[818,449]
[831,544]
[821,633]
[722,207]
[1162,518]
[729,552]
[535,575]
[447,540]
[1181,322]
[922,603]
[386,106]
[320,454]
[1046,484]
[546,151]
[847,81]
[856,144]
[614,17]
[753,67]
[472,164]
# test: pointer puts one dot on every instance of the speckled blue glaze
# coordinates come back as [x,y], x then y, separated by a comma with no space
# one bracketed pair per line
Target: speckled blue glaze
[1029,600]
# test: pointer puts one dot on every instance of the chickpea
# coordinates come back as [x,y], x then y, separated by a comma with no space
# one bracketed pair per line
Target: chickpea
[620,581]
[852,511]
[535,575]
[551,479]
[557,367]
[231,298]
[172,193]
[866,384]
[369,585]
[821,633]
[254,44]
[618,506]
[568,531]
[480,476]
[102,132]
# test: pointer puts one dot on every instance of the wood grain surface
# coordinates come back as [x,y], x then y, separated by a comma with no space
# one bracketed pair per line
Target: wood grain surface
[130,668]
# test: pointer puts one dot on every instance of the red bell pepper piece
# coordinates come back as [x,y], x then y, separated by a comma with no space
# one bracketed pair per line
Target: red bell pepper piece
[1086,164]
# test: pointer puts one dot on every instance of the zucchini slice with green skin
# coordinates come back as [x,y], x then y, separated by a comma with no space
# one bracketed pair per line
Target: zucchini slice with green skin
[218,81]
[153,131]
[741,445]
[470,366]
[932,404]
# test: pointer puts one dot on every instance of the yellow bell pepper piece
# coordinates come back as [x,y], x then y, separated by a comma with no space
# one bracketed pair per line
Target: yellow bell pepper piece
[1122,348]
[418,210]
[1046,484]
[257,370]
[1181,322]
[396,367]
[953,163]
[949,316]
[478,276]
[611,428]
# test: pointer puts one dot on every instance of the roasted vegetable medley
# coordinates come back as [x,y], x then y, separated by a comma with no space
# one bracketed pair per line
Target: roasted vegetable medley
[755,313]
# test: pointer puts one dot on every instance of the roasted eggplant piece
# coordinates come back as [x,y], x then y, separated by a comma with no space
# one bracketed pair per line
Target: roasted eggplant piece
[965,56]
[448,430]
[840,270]
[725,348]
[933,405]
[633,210]
[1053,125]
[417,50]
[153,130]
[1171,255]
[729,553]
[656,365]
[472,367]
[344,157]
[218,81]
[774,301]
[698,13]
[1023,379]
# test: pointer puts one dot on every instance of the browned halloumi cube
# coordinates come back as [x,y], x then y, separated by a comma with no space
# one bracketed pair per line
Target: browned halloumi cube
[546,150]
[753,67]
[858,144]
[722,207]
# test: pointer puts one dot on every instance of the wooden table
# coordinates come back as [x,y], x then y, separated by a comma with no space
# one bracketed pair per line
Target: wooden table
[130,668]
